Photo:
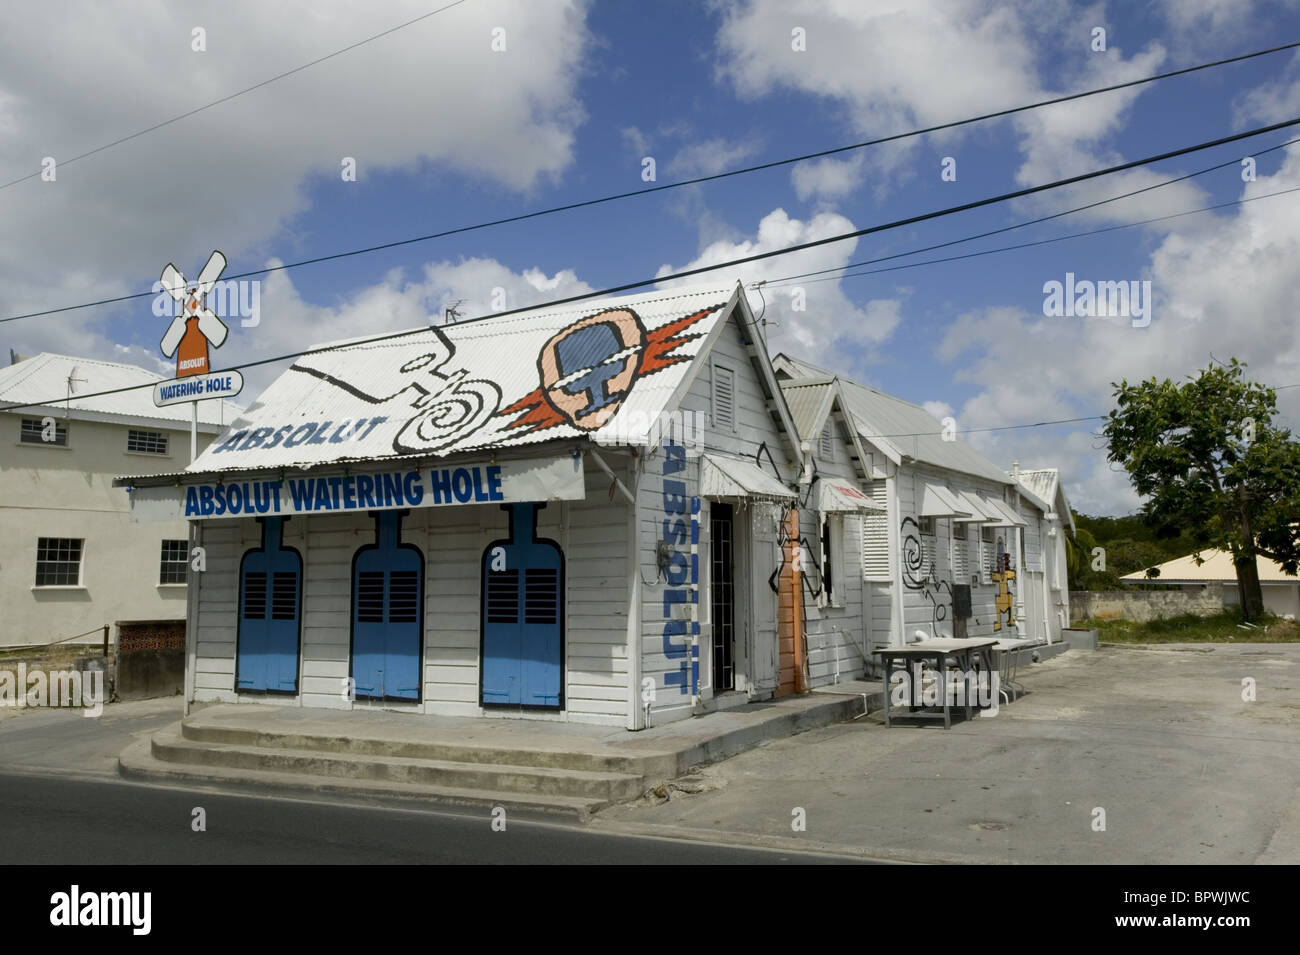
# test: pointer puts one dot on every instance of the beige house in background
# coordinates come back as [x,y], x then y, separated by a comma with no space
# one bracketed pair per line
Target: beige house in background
[1281,591]
[72,561]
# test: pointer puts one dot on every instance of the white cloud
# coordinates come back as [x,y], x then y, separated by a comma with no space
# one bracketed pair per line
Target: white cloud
[937,409]
[710,157]
[1223,286]
[828,178]
[816,320]
[73,77]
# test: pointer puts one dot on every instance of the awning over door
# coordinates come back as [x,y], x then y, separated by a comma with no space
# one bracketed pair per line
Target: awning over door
[937,501]
[1004,515]
[731,478]
[980,512]
[837,497]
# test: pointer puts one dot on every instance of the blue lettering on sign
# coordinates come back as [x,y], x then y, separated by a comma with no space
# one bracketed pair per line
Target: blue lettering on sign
[290,435]
[356,493]
[678,633]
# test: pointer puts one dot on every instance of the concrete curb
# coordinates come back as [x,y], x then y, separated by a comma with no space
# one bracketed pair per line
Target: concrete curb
[789,844]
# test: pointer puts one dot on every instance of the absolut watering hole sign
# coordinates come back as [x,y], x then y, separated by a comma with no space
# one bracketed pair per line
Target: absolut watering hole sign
[530,480]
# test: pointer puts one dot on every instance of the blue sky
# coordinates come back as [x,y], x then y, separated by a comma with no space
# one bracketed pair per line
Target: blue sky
[447,132]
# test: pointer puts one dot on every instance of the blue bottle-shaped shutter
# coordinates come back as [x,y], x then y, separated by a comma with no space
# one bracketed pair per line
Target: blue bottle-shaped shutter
[387,614]
[523,616]
[270,613]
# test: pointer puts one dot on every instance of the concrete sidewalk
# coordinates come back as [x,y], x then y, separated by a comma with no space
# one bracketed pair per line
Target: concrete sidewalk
[567,768]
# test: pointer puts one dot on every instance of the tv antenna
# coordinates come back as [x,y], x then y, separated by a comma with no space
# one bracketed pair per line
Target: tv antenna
[67,407]
[451,312]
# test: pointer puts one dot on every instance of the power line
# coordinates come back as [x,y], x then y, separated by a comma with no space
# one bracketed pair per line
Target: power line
[1024,245]
[256,86]
[1029,222]
[665,186]
[731,263]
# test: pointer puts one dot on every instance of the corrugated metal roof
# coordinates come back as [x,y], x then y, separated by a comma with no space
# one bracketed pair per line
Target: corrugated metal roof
[46,376]
[604,369]
[1218,566]
[1042,481]
[904,428]
[1046,485]
[808,402]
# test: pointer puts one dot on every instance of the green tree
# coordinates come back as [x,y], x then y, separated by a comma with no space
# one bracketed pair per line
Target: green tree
[1207,458]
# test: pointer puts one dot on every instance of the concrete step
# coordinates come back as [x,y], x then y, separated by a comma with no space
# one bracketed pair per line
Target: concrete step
[649,764]
[138,762]
[171,746]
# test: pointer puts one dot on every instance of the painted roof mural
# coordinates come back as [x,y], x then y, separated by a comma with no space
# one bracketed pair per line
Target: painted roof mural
[604,369]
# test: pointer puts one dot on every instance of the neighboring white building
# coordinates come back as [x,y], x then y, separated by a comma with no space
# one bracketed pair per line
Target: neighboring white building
[72,560]
[834,505]
[1047,494]
[1281,590]
[958,547]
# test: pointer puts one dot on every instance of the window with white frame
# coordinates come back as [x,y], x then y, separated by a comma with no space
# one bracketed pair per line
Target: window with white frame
[960,552]
[146,442]
[724,398]
[826,443]
[875,535]
[58,561]
[32,431]
[988,553]
[927,526]
[175,557]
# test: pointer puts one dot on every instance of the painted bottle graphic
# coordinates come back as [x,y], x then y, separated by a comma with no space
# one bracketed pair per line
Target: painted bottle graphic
[192,352]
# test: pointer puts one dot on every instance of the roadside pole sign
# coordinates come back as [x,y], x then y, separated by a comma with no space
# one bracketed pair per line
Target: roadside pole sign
[189,337]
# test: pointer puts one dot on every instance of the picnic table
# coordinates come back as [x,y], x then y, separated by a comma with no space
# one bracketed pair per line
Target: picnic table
[968,656]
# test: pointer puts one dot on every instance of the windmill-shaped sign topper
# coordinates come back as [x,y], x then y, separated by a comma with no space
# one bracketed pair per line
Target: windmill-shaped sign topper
[197,326]
[188,338]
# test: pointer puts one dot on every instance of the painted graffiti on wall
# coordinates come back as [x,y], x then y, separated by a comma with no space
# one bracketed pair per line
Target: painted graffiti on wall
[920,572]
[1004,599]
[441,391]
[448,406]
[588,369]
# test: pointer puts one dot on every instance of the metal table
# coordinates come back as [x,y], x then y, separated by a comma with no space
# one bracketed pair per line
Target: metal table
[964,654]
[1008,653]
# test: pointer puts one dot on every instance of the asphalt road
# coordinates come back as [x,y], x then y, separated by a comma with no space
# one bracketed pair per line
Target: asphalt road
[66,820]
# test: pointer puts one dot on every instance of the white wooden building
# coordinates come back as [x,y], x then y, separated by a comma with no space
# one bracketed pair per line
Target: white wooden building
[574,513]
[957,548]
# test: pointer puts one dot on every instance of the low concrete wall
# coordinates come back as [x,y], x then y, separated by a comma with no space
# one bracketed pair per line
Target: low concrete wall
[151,658]
[1143,605]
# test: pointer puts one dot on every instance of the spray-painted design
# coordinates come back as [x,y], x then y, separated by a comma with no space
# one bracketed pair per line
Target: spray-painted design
[449,406]
[443,390]
[681,573]
[1003,600]
[920,573]
[588,369]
